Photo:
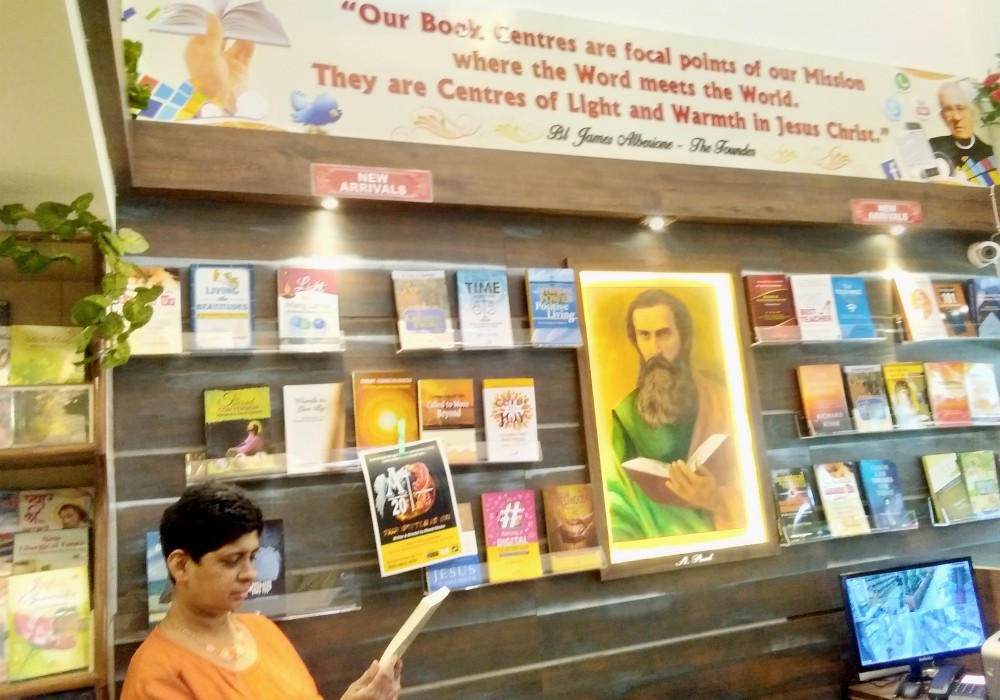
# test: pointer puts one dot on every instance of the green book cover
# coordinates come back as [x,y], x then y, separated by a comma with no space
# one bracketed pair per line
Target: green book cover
[979,471]
[944,481]
[45,355]
[49,622]
[238,429]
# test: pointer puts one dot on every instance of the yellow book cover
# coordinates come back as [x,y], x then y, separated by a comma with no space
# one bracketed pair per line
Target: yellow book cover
[571,528]
[907,388]
[49,622]
[45,355]
[239,432]
[385,408]
[448,413]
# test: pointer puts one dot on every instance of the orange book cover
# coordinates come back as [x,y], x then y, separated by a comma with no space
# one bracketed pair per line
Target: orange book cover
[385,408]
[448,414]
[824,400]
[946,393]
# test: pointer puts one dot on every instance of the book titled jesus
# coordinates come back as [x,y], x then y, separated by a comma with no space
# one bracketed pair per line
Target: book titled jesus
[772,312]
[222,306]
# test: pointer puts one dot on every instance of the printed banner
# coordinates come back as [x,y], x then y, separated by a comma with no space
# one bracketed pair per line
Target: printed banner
[498,78]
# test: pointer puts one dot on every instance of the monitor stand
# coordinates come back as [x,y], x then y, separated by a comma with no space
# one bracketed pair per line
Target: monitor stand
[912,685]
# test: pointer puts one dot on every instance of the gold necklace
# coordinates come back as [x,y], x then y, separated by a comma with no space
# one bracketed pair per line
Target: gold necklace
[233,652]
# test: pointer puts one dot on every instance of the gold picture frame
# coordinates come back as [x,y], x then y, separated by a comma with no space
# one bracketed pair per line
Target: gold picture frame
[663,373]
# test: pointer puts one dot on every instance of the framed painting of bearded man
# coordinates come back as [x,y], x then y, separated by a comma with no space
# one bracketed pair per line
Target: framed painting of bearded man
[669,439]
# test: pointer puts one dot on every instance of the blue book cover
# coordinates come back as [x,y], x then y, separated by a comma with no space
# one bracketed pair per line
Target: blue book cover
[984,305]
[880,481]
[158,586]
[463,572]
[222,306]
[552,307]
[484,308]
[853,312]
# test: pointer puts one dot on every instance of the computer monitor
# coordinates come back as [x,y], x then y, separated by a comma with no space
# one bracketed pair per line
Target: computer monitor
[913,615]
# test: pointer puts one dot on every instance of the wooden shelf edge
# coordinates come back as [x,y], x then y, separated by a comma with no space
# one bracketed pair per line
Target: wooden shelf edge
[74,680]
[61,454]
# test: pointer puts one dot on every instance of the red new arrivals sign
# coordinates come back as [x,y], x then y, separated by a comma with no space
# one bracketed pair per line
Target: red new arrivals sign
[371,183]
[885,211]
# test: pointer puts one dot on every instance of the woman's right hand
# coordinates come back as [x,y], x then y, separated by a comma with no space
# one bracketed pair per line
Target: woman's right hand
[378,683]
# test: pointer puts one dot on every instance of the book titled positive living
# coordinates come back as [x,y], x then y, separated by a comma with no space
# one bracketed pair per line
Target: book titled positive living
[552,307]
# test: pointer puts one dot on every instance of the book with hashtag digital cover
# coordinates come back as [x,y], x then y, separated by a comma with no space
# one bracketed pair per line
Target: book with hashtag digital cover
[511,525]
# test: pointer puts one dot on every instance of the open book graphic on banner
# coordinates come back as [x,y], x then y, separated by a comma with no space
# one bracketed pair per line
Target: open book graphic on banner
[240,19]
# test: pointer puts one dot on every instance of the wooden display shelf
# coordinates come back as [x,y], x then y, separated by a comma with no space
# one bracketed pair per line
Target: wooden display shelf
[74,680]
[29,457]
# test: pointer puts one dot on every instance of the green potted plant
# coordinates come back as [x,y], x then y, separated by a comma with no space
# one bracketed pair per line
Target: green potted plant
[107,317]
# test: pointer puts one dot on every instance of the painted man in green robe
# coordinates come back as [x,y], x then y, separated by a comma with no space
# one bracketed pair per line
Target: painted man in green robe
[666,417]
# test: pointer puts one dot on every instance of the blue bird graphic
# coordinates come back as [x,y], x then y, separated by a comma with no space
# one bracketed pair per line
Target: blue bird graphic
[315,114]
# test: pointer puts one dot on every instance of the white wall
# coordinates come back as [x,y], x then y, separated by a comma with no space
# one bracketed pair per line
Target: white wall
[935,35]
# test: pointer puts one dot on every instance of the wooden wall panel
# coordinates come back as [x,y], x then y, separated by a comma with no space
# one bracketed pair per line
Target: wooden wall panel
[770,627]
[214,162]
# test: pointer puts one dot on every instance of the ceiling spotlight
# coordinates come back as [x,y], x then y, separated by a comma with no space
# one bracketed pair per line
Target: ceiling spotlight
[329,203]
[656,223]
[897,230]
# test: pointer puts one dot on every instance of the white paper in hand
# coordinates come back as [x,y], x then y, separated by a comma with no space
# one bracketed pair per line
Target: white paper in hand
[414,623]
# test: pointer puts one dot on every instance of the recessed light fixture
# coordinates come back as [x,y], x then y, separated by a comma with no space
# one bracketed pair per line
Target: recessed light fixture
[329,203]
[656,223]
[897,230]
